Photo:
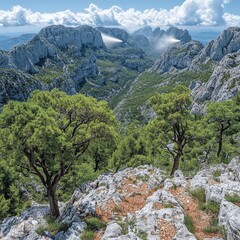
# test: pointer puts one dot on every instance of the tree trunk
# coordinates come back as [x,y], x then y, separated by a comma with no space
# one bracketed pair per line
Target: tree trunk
[53,202]
[176,162]
[220,143]
[96,165]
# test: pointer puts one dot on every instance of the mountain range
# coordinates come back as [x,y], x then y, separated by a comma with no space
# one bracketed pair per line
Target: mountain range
[128,72]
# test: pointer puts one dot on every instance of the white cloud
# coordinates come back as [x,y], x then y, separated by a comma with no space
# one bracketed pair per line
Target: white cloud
[191,12]
[231,19]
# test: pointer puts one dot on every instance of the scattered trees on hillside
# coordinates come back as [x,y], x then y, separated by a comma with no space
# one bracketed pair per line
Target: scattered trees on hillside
[170,131]
[53,134]
[50,132]
[12,198]
[221,118]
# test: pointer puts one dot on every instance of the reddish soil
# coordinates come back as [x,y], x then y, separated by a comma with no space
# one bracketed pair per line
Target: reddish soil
[99,235]
[134,199]
[200,218]
[167,230]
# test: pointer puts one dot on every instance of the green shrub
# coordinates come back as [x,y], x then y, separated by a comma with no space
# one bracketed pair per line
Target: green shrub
[142,235]
[88,235]
[94,224]
[52,226]
[210,207]
[217,173]
[199,194]
[188,221]
[168,205]
[214,229]
[117,209]
[124,226]
[232,198]
[4,207]
[40,230]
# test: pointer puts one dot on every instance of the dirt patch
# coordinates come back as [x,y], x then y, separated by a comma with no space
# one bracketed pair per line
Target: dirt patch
[237,203]
[99,235]
[200,218]
[213,182]
[167,230]
[158,206]
[133,199]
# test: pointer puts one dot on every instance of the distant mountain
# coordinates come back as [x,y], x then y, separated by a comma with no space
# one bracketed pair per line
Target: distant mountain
[7,43]
[72,60]
[76,60]
[3,37]
[157,33]
[212,73]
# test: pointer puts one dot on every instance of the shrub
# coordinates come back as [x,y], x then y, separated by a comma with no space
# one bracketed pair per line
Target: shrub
[217,173]
[142,235]
[124,226]
[88,235]
[52,226]
[117,209]
[94,224]
[169,205]
[232,198]
[214,229]
[210,207]
[199,194]
[189,223]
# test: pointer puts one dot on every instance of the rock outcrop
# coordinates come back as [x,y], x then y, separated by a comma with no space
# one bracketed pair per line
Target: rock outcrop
[227,42]
[157,33]
[46,44]
[17,86]
[180,34]
[223,84]
[145,31]
[140,203]
[177,57]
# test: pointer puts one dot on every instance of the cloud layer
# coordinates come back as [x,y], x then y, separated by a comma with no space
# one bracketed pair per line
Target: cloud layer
[191,12]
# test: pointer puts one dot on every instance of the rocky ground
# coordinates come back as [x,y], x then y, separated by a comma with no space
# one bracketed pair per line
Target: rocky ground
[144,203]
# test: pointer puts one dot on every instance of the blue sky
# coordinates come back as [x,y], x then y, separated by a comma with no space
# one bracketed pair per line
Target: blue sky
[79,5]
[16,15]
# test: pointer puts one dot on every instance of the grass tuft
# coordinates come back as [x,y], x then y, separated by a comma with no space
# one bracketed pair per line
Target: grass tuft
[232,198]
[188,221]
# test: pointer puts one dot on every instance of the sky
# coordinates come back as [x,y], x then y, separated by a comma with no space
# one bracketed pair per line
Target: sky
[17,15]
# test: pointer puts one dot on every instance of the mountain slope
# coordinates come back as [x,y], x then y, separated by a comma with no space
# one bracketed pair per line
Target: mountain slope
[212,73]
[142,203]
[74,60]
[9,43]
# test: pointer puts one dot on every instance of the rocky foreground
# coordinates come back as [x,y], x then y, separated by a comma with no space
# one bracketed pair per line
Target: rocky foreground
[143,203]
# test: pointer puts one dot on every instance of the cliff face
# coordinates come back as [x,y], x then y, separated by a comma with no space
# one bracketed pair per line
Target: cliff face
[141,203]
[227,42]
[47,44]
[14,85]
[223,84]
[72,60]
[177,57]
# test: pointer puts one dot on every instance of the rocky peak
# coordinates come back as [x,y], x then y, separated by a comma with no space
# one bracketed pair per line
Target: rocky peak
[64,37]
[145,31]
[223,84]
[115,32]
[227,42]
[177,57]
[180,34]
[47,43]
[158,33]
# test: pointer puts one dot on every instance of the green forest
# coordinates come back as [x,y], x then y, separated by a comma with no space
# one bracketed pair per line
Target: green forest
[53,142]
